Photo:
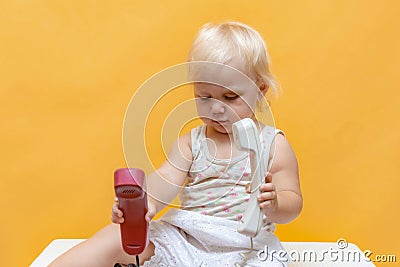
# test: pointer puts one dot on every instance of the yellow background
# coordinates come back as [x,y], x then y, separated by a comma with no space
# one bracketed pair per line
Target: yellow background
[69,68]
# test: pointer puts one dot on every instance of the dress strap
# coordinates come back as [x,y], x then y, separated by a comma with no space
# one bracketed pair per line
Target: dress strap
[197,134]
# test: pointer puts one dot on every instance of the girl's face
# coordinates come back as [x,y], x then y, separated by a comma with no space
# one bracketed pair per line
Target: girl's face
[219,107]
[227,97]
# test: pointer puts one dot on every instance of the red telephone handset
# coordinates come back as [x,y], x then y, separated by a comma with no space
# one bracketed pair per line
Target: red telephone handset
[129,185]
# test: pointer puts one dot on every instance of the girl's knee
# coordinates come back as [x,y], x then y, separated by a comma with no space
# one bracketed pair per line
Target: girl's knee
[147,253]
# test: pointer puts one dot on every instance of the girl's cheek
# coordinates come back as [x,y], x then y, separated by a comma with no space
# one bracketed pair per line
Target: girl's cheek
[202,110]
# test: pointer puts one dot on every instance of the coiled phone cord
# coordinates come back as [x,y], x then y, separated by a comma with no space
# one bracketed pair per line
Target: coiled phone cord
[130,264]
[245,255]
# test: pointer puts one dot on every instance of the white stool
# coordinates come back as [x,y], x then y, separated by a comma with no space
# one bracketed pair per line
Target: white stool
[302,253]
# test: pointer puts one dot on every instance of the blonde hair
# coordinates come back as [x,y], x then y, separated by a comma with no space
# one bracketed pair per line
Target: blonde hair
[221,42]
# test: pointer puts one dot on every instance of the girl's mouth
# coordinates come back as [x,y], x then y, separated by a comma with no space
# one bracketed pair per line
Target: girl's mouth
[219,122]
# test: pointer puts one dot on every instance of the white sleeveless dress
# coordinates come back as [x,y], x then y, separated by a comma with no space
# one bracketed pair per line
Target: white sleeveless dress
[204,231]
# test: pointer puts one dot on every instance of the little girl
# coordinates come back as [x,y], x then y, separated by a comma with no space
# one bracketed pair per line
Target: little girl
[211,174]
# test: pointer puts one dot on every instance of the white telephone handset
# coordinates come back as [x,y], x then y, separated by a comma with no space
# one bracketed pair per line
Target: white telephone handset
[246,137]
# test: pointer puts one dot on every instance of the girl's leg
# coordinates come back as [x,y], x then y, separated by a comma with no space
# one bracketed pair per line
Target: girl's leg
[102,249]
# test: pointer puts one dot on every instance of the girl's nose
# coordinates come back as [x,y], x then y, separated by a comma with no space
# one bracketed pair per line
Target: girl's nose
[217,107]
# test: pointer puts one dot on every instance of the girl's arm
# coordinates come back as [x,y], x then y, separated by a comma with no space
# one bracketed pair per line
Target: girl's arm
[281,199]
[166,182]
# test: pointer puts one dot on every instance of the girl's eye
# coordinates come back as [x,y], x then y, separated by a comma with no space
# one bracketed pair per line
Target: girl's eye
[231,97]
[203,97]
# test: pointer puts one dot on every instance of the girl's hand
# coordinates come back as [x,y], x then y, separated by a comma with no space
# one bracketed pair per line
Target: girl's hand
[268,197]
[116,215]
[152,210]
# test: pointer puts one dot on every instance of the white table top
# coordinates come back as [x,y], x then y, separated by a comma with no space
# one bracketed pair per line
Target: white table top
[302,253]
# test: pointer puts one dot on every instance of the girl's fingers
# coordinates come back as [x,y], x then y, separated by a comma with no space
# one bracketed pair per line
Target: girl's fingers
[117,219]
[268,177]
[118,212]
[267,187]
[149,215]
[266,204]
[267,196]
[151,212]
[247,187]
[116,215]
[115,210]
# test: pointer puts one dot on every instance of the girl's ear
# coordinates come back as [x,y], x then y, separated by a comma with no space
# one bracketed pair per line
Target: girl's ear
[263,88]
[262,85]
